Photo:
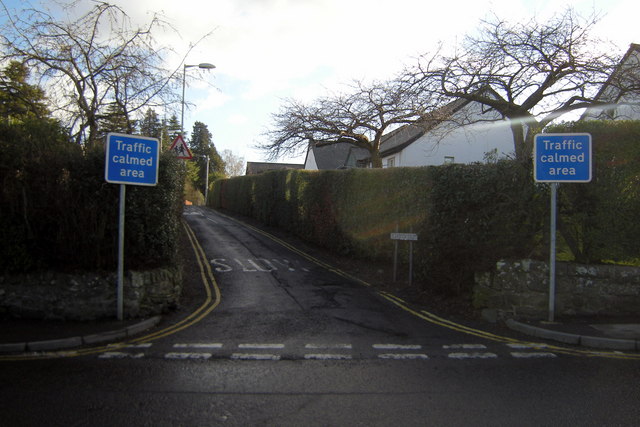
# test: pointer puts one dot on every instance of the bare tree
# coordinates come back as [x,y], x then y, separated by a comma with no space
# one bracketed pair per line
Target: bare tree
[536,72]
[233,165]
[360,118]
[91,66]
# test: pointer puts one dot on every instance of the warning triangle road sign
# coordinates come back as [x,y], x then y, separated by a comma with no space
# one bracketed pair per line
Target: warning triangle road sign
[180,148]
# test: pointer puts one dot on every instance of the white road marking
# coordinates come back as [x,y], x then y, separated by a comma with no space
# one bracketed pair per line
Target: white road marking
[403,356]
[328,346]
[261,346]
[397,346]
[184,356]
[253,356]
[472,355]
[199,345]
[120,355]
[323,356]
[465,346]
[532,355]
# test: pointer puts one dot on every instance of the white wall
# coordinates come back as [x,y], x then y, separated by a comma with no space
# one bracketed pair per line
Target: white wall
[310,161]
[465,144]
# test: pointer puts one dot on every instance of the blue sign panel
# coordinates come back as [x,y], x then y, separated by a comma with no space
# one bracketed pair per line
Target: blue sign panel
[560,157]
[131,159]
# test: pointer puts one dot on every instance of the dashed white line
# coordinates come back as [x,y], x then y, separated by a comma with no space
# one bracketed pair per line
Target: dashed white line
[328,346]
[199,345]
[465,347]
[533,355]
[323,356]
[254,356]
[261,346]
[184,356]
[397,346]
[403,356]
[472,355]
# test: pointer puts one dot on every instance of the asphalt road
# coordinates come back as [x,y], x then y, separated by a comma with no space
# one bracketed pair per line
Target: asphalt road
[276,338]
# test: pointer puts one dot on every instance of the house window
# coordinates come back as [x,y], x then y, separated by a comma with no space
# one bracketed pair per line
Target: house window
[448,160]
[391,162]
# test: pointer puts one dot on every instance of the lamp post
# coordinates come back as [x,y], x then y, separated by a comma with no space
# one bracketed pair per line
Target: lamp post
[204,66]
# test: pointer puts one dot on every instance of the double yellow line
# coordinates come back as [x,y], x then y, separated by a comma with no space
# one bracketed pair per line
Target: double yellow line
[434,319]
[211,301]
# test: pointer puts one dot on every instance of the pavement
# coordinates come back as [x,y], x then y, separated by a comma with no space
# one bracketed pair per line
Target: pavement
[617,333]
[26,336]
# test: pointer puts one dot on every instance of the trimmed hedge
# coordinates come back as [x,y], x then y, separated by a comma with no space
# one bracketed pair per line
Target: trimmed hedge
[59,213]
[467,217]
[599,220]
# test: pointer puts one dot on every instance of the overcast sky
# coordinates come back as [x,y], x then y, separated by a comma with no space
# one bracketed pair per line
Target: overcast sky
[267,50]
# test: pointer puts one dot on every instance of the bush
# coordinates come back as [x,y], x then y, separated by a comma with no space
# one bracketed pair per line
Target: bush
[467,217]
[599,220]
[59,213]
[479,214]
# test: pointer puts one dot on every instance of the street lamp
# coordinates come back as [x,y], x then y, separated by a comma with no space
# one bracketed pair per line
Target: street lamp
[204,66]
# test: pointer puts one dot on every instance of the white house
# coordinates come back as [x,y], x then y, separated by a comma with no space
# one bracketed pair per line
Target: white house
[621,91]
[462,132]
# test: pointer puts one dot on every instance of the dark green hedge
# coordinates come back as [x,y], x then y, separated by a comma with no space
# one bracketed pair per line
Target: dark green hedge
[59,213]
[467,217]
[599,220]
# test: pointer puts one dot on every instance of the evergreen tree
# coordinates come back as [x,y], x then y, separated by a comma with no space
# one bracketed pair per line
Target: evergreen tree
[18,99]
[150,125]
[201,145]
[170,129]
[114,120]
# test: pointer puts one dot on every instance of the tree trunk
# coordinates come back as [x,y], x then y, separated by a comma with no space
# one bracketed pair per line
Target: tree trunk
[376,160]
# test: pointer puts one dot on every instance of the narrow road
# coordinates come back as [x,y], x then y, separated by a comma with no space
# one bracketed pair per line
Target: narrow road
[281,339]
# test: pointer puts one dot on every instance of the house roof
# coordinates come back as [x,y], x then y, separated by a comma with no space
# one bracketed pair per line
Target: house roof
[609,92]
[633,48]
[336,155]
[396,140]
[254,168]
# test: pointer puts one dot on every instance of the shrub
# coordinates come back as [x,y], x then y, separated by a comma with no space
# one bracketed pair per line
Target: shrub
[598,220]
[59,213]
[467,217]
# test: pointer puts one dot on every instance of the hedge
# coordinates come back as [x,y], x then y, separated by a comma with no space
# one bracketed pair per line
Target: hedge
[466,216]
[599,220]
[59,213]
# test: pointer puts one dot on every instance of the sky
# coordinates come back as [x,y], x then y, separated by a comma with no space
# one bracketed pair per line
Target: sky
[268,50]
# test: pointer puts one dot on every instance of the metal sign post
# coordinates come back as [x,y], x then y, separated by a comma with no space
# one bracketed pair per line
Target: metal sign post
[130,160]
[560,157]
[410,237]
[552,252]
[120,288]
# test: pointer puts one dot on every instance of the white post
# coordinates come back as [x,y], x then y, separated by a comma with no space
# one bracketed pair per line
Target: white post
[395,258]
[120,291]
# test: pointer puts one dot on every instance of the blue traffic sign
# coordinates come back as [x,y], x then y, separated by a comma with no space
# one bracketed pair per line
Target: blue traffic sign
[562,157]
[131,159]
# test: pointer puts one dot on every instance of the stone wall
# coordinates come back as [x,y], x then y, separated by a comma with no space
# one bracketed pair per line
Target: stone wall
[88,296]
[521,289]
